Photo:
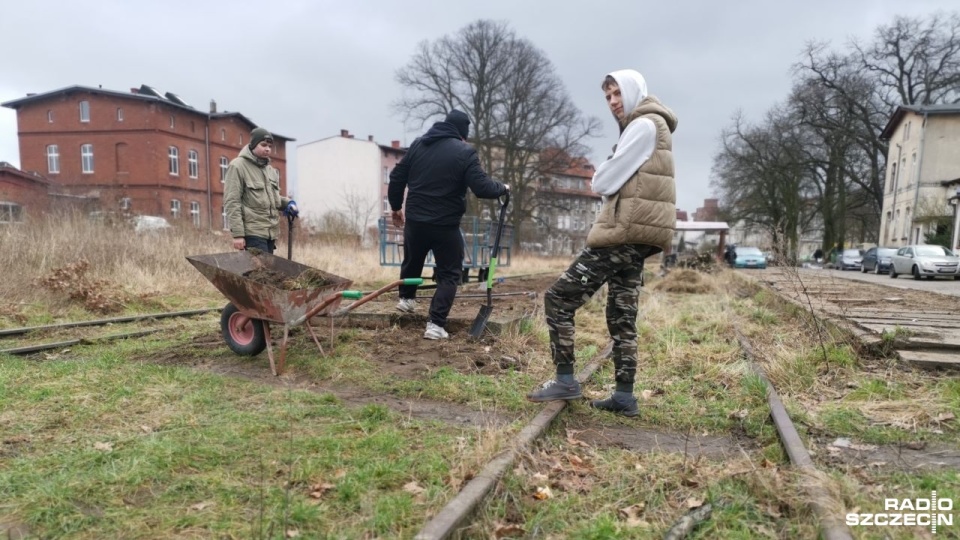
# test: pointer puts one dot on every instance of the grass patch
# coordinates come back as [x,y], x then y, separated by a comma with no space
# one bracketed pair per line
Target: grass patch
[116,450]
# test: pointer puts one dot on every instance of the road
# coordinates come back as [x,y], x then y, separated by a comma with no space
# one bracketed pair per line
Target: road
[939,285]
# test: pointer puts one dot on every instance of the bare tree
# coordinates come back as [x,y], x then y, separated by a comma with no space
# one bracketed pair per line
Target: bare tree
[762,176]
[914,61]
[517,104]
[358,211]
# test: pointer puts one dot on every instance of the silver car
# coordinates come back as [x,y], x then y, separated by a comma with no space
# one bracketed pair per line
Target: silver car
[925,260]
[850,259]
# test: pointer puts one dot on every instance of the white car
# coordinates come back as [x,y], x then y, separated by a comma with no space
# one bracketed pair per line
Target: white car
[142,224]
[925,260]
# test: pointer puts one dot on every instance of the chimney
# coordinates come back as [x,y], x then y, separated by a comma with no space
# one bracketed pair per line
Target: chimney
[395,144]
[213,106]
[31,94]
[134,90]
[345,133]
[370,138]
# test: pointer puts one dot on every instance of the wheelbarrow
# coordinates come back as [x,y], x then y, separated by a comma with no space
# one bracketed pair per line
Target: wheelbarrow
[245,321]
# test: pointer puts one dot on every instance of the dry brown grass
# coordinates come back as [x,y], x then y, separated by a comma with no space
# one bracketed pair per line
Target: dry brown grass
[154,265]
[686,281]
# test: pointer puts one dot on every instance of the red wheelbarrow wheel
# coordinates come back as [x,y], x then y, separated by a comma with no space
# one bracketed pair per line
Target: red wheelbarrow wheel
[243,335]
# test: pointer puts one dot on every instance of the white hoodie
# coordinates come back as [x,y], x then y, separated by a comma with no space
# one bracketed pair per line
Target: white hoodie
[637,142]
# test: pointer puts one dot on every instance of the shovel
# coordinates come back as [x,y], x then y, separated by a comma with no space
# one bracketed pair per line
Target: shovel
[481,321]
[290,219]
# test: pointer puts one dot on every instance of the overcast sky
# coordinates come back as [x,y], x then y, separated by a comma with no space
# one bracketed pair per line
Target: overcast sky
[307,69]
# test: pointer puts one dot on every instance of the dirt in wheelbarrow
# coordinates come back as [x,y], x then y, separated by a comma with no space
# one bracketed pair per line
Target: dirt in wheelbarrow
[308,279]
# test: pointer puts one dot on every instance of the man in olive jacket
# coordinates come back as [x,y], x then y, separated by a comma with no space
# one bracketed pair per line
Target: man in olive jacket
[251,197]
[637,220]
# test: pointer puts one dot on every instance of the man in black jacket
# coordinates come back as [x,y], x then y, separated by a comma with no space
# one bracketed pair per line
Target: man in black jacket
[436,172]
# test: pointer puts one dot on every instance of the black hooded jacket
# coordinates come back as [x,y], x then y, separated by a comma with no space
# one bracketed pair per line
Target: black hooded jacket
[436,172]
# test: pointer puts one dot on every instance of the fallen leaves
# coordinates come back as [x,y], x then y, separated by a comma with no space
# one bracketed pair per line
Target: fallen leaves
[543,493]
[631,515]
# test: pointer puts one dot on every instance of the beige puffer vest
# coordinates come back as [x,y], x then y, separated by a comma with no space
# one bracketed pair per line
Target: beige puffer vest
[644,211]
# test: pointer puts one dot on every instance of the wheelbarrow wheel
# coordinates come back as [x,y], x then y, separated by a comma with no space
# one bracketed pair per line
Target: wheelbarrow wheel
[246,340]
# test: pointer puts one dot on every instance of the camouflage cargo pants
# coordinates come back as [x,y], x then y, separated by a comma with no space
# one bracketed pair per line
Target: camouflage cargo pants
[621,268]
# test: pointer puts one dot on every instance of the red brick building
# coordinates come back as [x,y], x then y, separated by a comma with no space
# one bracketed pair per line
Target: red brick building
[21,194]
[140,152]
[710,211]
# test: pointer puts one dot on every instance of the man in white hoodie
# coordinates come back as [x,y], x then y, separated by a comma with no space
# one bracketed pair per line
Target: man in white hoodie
[637,220]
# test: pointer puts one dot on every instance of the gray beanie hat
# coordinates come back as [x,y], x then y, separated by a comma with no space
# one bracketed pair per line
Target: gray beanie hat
[257,135]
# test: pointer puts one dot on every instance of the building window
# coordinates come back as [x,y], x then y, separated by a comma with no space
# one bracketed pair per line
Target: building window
[125,204]
[893,177]
[195,213]
[223,214]
[906,132]
[386,176]
[174,209]
[84,111]
[10,212]
[224,163]
[173,122]
[241,139]
[53,159]
[119,114]
[386,205]
[86,158]
[223,134]
[193,163]
[174,160]
[50,117]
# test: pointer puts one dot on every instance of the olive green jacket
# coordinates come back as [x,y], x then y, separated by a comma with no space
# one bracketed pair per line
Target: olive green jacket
[644,210]
[251,197]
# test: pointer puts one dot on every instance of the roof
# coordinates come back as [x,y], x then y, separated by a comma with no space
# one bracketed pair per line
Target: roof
[902,110]
[31,176]
[144,93]
[702,226]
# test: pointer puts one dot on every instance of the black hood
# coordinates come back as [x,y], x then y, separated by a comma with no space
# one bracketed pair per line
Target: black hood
[440,130]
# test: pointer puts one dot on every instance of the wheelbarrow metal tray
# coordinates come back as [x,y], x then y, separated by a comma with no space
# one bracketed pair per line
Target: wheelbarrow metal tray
[267,302]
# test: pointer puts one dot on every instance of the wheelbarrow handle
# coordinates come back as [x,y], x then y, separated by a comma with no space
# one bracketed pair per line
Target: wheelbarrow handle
[357,295]
[364,298]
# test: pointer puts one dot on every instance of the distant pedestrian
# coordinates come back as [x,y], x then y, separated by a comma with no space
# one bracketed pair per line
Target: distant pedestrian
[435,173]
[251,198]
[637,220]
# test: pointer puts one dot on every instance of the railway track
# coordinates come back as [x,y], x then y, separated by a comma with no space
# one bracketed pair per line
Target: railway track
[32,348]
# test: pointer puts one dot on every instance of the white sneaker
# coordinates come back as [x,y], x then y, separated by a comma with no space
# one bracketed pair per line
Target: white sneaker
[407,305]
[435,332]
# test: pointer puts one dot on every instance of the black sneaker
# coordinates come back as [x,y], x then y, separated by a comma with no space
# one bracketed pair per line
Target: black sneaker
[625,408]
[554,390]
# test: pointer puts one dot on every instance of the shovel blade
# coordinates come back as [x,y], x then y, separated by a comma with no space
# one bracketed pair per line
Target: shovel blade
[481,321]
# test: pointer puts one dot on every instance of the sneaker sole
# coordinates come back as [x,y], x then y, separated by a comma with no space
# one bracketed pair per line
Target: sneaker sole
[630,414]
[403,310]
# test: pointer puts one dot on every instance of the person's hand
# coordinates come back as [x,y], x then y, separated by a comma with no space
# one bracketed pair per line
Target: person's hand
[397,217]
[239,243]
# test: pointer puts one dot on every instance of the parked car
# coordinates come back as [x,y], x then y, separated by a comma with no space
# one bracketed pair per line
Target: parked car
[850,259]
[925,260]
[877,260]
[749,257]
[142,224]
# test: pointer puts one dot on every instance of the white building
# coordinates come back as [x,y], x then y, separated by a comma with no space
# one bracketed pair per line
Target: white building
[345,178]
